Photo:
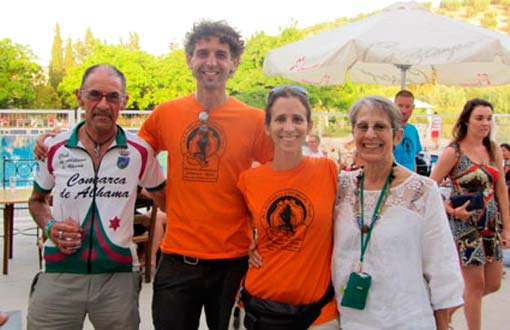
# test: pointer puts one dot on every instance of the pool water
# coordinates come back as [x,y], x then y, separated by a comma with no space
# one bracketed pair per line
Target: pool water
[20,147]
[16,147]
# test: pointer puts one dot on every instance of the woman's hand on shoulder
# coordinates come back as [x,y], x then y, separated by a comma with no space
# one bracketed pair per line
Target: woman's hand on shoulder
[41,150]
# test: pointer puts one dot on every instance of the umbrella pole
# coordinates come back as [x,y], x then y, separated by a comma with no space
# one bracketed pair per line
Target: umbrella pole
[403,71]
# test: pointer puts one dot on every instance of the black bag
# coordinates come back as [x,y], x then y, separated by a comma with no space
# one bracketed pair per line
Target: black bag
[422,167]
[265,314]
[475,201]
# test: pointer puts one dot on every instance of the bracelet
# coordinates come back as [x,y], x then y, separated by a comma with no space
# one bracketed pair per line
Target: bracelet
[48,227]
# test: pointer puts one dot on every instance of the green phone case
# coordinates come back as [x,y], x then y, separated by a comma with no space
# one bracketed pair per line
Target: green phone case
[356,291]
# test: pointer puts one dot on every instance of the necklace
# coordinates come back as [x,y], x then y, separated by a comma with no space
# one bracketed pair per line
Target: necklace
[98,144]
[203,117]
[366,229]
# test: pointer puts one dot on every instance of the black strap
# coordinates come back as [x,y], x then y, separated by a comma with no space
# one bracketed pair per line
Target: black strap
[330,293]
[326,298]
[271,315]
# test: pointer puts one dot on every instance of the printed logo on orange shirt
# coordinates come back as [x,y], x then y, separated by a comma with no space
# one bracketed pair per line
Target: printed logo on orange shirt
[202,152]
[286,217]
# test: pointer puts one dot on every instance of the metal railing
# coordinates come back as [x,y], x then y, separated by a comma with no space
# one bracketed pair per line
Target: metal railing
[334,128]
[34,122]
[16,172]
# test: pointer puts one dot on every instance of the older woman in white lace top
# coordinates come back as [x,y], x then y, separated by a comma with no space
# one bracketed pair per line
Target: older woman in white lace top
[394,261]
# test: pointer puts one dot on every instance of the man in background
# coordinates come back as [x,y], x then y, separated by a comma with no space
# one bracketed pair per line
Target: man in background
[313,146]
[405,152]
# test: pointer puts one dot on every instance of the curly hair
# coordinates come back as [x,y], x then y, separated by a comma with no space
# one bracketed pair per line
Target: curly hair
[220,29]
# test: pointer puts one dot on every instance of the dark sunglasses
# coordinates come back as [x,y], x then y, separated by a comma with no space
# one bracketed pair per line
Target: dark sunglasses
[96,96]
[279,90]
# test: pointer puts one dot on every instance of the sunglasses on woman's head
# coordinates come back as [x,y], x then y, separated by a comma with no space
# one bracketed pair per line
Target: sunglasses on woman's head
[279,90]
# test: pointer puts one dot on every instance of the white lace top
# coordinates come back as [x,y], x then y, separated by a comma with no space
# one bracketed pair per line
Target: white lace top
[411,256]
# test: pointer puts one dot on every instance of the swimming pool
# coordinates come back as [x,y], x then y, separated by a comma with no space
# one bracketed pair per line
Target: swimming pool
[19,147]
[16,147]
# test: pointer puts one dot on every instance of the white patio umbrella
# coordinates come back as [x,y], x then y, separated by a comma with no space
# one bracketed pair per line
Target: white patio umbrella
[404,43]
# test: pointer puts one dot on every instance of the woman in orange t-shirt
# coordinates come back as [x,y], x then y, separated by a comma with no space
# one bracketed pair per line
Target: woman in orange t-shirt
[291,205]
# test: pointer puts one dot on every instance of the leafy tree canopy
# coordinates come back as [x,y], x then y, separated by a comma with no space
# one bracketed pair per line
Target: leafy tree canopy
[19,75]
[153,79]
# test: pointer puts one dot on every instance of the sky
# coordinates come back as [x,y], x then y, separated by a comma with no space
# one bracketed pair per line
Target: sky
[161,22]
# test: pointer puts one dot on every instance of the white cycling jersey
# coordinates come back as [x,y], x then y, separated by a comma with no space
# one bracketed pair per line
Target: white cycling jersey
[101,199]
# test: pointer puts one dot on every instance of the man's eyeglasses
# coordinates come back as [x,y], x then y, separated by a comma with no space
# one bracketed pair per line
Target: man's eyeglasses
[279,90]
[96,96]
[377,128]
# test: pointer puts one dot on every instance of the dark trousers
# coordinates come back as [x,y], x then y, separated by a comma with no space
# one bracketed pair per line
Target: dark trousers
[182,288]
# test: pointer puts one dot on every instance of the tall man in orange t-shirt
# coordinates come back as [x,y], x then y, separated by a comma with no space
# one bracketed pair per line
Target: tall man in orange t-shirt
[210,138]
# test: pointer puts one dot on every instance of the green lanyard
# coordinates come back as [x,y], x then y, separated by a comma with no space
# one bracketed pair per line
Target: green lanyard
[375,215]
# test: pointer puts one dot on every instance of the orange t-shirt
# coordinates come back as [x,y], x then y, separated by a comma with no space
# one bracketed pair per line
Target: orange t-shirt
[293,213]
[206,214]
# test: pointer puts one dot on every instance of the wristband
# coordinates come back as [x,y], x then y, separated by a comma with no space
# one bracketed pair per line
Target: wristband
[48,227]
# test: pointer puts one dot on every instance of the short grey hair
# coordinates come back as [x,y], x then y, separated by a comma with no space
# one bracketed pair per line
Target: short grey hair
[113,69]
[373,103]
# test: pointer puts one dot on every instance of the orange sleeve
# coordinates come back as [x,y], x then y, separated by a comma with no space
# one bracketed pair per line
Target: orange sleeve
[263,148]
[150,130]
[333,170]
[241,185]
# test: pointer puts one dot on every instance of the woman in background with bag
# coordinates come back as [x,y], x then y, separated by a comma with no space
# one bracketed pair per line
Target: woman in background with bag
[288,286]
[394,262]
[505,153]
[474,164]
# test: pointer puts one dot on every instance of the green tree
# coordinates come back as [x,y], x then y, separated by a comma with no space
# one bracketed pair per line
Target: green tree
[56,69]
[478,5]
[171,77]
[71,81]
[45,97]
[489,21]
[18,75]
[249,83]
[148,77]
[450,4]
[69,61]
[471,12]
[85,48]
[133,42]
[154,79]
